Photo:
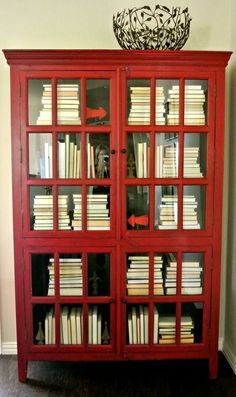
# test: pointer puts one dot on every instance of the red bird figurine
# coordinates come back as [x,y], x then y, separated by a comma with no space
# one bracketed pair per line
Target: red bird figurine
[99,113]
[138,220]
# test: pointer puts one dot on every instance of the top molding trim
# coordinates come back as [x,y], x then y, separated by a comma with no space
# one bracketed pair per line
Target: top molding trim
[117,57]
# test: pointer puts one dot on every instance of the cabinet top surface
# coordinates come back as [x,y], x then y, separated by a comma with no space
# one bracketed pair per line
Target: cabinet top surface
[157,58]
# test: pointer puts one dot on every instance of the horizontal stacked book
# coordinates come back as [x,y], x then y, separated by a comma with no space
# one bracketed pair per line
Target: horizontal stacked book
[170,275]
[190,217]
[194,104]
[69,157]
[160,106]
[67,105]
[158,275]
[97,212]
[167,329]
[168,212]
[137,275]
[166,161]
[138,324]
[191,283]
[139,105]
[43,212]
[191,277]
[70,277]
[191,163]
[71,320]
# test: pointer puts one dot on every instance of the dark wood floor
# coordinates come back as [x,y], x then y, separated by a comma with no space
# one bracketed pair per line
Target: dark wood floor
[129,379]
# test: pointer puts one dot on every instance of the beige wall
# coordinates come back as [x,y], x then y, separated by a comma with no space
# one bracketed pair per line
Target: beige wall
[84,24]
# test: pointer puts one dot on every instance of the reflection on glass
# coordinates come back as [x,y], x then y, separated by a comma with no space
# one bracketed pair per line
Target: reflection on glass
[138,102]
[137,207]
[40,155]
[166,155]
[98,156]
[97,102]
[43,324]
[137,274]
[138,156]
[195,102]
[191,322]
[194,207]
[98,274]
[137,324]
[41,208]
[192,273]
[166,207]
[39,102]
[159,260]
[170,273]
[167,102]
[71,323]
[40,274]
[69,208]
[98,208]
[68,102]
[69,155]
[164,324]
[99,324]
[195,146]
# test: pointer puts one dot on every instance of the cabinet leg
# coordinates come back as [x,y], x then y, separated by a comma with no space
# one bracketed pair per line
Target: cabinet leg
[22,369]
[213,366]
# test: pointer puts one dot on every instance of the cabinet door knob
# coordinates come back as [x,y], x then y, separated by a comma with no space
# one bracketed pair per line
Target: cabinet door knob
[113,151]
[123,301]
[123,150]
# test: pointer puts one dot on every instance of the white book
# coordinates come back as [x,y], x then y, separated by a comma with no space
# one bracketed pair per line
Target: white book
[64,322]
[134,325]
[141,315]
[61,159]
[145,309]
[95,325]
[130,326]
[155,325]
[73,325]
[79,325]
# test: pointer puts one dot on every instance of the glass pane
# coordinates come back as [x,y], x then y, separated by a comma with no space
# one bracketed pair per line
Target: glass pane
[167,155]
[99,324]
[138,156]
[71,325]
[191,322]
[194,207]
[43,324]
[164,323]
[166,207]
[70,274]
[195,151]
[192,273]
[98,156]
[68,102]
[41,208]
[40,156]
[98,208]
[69,155]
[137,274]
[137,324]
[137,207]
[167,102]
[158,274]
[40,274]
[195,102]
[138,102]
[98,274]
[98,102]
[39,102]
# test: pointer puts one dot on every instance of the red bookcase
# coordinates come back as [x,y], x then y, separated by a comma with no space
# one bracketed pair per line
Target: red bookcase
[117,201]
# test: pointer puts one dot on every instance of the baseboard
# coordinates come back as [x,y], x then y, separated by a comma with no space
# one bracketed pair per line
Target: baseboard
[9,348]
[229,355]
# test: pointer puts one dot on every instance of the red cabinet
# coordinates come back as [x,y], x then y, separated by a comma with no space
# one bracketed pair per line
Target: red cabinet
[117,200]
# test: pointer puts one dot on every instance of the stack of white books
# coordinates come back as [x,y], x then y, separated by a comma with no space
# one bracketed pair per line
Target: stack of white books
[139,106]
